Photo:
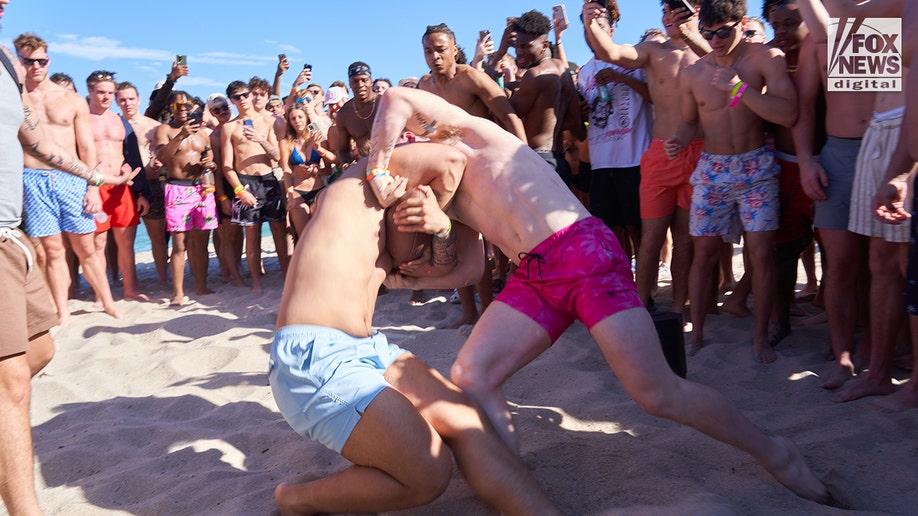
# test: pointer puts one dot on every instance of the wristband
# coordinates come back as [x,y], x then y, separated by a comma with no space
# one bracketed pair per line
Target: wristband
[736,88]
[738,95]
[377,172]
[445,233]
[238,190]
[223,198]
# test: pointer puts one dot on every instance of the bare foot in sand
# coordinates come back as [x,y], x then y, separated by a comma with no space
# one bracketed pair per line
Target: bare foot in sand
[839,375]
[203,292]
[763,352]
[791,470]
[178,301]
[736,307]
[256,289]
[779,333]
[692,345]
[901,400]
[289,500]
[863,388]
[136,296]
[112,311]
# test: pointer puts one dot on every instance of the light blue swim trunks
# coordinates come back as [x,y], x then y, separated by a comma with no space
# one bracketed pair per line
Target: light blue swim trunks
[53,202]
[324,379]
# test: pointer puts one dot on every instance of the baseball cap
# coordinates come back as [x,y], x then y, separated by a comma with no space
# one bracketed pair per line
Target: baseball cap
[335,94]
[216,98]
[413,81]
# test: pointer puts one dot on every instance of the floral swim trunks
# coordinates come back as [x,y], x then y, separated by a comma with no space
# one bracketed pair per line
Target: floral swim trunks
[725,186]
[189,207]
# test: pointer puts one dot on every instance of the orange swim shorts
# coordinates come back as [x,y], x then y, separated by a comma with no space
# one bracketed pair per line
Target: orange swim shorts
[665,182]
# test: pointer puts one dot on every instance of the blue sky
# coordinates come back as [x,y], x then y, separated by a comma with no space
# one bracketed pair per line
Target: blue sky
[232,39]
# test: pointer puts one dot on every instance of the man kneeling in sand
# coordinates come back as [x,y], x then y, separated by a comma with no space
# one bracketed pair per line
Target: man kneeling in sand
[570,266]
[340,383]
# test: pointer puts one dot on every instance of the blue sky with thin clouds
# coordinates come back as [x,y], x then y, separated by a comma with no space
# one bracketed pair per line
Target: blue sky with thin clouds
[231,40]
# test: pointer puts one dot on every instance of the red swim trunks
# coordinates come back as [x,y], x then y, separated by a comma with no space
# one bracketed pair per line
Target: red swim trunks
[118,203]
[579,273]
[665,182]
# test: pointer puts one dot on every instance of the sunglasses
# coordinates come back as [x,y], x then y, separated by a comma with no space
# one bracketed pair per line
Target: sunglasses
[102,75]
[722,33]
[187,106]
[750,33]
[314,92]
[239,96]
[43,62]
[221,109]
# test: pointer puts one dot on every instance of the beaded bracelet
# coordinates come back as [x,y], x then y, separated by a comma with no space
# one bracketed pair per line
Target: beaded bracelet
[96,178]
[223,198]
[238,190]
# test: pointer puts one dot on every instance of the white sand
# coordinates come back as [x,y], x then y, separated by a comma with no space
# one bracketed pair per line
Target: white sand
[169,412]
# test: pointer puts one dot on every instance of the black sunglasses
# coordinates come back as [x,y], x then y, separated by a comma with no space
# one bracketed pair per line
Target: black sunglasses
[42,62]
[722,33]
[750,33]
[219,109]
[239,96]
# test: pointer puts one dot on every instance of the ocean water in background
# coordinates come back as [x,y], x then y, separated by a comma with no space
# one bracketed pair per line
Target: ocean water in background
[142,240]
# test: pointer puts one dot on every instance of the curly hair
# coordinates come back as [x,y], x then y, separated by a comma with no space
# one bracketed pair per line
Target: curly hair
[533,23]
[257,83]
[719,11]
[769,5]
[439,28]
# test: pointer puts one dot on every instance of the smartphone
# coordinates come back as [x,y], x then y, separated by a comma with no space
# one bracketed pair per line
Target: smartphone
[195,116]
[675,4]
[559,16]
[281,57]
[311,127]
[181,60]
[482,34]
[247,123]
[307,67]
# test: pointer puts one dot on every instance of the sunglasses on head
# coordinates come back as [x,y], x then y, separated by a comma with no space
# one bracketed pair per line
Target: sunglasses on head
[188,106]
[722,33]
[42,62]
[102,75]
[239,96]
[315,92]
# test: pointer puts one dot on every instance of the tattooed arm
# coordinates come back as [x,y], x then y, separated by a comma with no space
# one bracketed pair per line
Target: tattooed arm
[35,142]
[463,249]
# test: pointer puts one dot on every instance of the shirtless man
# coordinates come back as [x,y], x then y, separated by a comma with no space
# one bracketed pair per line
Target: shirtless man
[249,150]
[191,212]
[155,219]
[261,95]
[520,205]
[664,190]
[890,197]
[355,119]
[546,99]
[887,244]
[478,95]
[118,202]
[228,238]
[730,93]
[828,179]
[405,411]
[58,203]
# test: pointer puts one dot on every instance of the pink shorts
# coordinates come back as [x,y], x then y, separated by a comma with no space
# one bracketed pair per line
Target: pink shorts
[188,207]
[579,273]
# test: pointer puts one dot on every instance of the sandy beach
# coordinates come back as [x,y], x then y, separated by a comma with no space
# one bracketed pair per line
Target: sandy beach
[168,411]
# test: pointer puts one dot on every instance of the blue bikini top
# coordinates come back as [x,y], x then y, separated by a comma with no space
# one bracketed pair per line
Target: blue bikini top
[297,159]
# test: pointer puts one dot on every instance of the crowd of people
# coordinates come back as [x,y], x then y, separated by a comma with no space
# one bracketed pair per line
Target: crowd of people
[564,191]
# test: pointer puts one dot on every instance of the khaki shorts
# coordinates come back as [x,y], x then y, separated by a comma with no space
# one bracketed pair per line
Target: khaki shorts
[24,300]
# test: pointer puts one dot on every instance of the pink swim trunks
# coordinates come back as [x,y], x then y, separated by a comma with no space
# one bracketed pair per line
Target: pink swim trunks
[188,207]
[579,273]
